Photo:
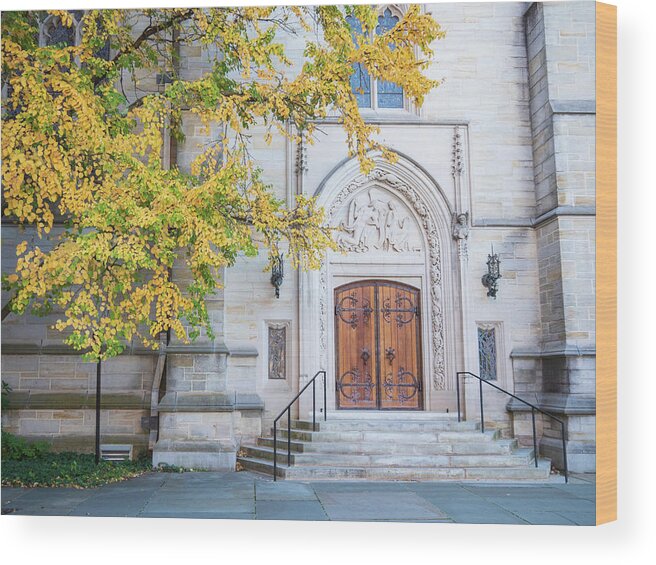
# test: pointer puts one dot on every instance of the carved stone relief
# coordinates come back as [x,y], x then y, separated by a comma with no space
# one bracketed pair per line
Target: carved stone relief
[366,202]
[460,231]
[278,351]
[487,352]
[322,306]
[456,154]
[301,156]
[376,222]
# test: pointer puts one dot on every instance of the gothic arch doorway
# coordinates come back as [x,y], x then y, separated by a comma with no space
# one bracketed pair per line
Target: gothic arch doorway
[378,346]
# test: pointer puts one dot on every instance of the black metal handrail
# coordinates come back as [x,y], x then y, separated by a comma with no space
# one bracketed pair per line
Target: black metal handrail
[533,407]
[313,382]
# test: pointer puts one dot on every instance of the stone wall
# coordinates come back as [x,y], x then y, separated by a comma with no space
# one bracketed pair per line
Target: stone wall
[53,398]
[560,40]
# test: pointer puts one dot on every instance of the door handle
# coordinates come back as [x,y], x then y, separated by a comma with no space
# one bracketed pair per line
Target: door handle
[390,353]
[365,355]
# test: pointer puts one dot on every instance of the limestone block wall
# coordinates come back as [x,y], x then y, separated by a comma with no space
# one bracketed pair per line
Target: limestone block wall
[53,398]
[560,46]
[560,40]
[560,43]
[74,429]
[516,305]
[578,260]
[190,426]
[483,61]
[574,149]
[68,374]
[196,372]
[251,307]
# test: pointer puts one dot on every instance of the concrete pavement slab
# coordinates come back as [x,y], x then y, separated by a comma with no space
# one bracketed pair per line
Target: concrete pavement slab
[201,515]
[246,495]
[114,503]
[50,501]
[284,491]
[290,510]
[372,506]
[545,518]
[516,504]
[581,518]
[160,503]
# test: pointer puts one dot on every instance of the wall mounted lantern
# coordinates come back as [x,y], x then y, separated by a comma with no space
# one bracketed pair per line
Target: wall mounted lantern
[493,274]
[277,273]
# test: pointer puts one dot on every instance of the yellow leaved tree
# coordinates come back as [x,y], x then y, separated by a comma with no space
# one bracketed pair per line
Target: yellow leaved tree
[82,161]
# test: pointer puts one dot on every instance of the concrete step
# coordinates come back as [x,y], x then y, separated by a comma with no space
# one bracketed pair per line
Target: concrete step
[520,457]
[496,474]
[296,446]
[369,415]
[387,424]
[350,436]
[497,447]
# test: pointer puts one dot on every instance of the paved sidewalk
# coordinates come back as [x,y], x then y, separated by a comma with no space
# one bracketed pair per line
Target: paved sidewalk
[249,496]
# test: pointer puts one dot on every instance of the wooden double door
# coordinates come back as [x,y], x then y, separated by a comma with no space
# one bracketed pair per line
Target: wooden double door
[378,346]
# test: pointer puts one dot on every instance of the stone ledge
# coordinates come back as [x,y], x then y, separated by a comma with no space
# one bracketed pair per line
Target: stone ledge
[219,348]
[214,446]
[9,348]
[209,402]
[559,211]
[74,401]
[558,404]
[244,352]
[567,351]
[573,106]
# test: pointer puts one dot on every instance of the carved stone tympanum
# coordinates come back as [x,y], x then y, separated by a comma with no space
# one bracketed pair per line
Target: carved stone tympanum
[375,222]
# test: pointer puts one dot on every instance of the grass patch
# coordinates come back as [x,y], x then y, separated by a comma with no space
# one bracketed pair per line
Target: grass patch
[32,464]
[76,470]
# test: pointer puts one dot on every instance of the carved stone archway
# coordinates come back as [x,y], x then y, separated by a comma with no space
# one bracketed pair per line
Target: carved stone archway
[399,187]
[424,199]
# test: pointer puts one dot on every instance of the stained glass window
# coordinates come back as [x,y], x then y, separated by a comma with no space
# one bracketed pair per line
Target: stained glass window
[54,33]
[388,94]
[487,354]
[360,79]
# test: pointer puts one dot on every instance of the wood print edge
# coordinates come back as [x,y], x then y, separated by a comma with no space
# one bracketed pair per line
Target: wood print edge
[606,270]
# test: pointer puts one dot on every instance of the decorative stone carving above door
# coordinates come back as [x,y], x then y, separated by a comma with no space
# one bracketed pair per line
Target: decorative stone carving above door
[373,221]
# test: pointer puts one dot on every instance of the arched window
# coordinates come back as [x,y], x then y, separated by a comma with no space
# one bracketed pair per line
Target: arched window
[389,95]
[360,79]
[52,32]
[369,92]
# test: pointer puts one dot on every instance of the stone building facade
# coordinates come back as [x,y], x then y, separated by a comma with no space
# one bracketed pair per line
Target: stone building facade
[501,156]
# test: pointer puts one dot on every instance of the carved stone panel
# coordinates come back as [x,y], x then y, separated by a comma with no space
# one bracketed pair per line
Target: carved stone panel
[374,220]
[487,352]
[278,351]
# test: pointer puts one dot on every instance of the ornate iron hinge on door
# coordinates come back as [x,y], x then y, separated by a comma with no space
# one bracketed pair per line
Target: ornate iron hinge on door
[403,306]
[352,320]
[355,386]
[406,385]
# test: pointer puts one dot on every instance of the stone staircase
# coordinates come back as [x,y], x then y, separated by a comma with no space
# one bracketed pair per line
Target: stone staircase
[403,446]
